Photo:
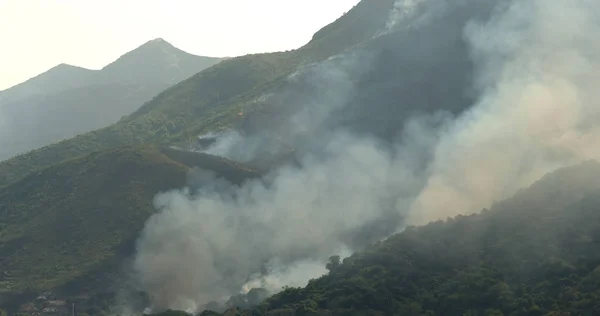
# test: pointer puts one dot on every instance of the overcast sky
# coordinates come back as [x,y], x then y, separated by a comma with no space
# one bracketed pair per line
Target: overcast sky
[39,34]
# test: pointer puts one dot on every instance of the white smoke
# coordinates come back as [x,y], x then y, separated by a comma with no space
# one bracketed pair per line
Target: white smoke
[537,111]
[205,246]
[415,13]
[315,91]
[296,274]
[402,11]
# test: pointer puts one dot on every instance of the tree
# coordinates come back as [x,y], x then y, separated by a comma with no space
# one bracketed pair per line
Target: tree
[333,263]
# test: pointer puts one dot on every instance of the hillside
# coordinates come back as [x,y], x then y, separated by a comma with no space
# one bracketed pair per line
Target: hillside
[67,100]
[72,112]
[536,253]
[367,122]
[59,78]
[80,216]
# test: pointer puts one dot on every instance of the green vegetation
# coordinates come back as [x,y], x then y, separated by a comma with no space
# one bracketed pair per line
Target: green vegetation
[209,100]
[51,234]
[537,253]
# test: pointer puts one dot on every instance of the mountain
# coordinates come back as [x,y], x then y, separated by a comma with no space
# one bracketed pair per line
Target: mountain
[156,59]
[57,79]
[45,119]
[154,62]
[350,132]
[67,100]
[537,253]
[97,190]
[212,99]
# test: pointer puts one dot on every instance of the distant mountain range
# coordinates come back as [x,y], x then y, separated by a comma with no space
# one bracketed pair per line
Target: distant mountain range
[68,100]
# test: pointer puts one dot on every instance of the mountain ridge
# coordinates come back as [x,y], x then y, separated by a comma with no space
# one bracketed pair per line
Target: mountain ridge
[58,78]
[209,100]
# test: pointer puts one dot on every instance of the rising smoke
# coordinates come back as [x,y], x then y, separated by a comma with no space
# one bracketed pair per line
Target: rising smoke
[212,243]
[312,94]
[413,13]
[536,112]
[538,109]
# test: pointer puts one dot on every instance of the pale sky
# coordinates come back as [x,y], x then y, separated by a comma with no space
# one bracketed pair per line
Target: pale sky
[39,34]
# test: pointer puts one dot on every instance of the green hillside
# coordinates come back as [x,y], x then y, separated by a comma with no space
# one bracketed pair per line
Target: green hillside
[63,222]
[210,99]
[32,125]
[537,253]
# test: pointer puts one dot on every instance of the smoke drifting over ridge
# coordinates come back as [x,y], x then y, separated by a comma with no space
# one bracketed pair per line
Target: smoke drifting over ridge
[536,112]
[208,244]
[315,91]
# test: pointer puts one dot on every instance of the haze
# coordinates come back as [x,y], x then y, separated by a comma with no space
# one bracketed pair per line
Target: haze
[39,34]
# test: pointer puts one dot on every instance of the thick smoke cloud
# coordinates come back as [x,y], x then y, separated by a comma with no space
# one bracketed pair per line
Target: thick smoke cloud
[209,244]
[536,112]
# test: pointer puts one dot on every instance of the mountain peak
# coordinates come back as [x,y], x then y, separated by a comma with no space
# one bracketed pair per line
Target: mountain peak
[152,51]
[62,65]
[157,42]
[156,58]
[65,67]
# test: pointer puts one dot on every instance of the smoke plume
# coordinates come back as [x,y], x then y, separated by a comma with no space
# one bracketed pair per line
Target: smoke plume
[219,240]
[311,95]
[536,112]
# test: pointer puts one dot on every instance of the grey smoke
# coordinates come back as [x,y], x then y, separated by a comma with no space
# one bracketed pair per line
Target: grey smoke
[414,13]
[404,12]
[315,91]
[209,244]
[536,112]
